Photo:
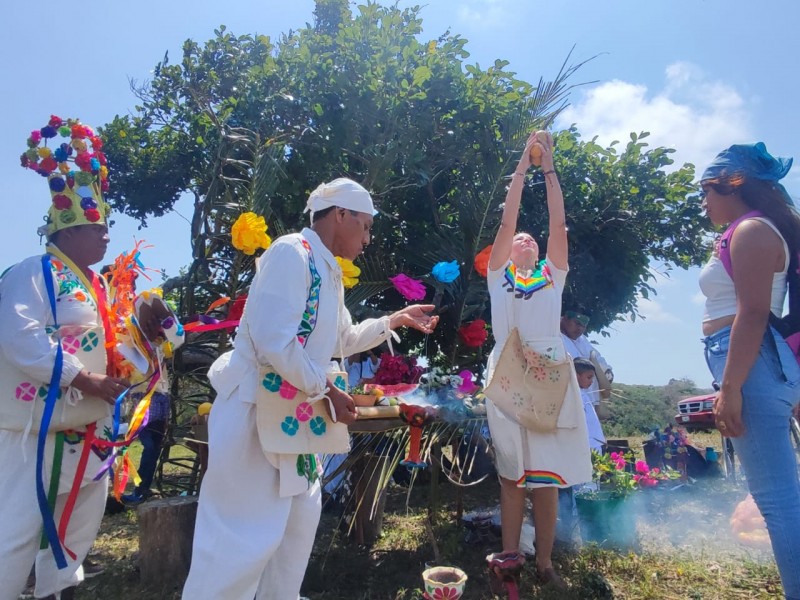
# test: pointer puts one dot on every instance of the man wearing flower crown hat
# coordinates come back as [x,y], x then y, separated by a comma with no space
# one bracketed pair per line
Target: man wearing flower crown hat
[56,372]
[260,500]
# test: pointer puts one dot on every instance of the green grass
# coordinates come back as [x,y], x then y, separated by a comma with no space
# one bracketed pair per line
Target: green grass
[685,550]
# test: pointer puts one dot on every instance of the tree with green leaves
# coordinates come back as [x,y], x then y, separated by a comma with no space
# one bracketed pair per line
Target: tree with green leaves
[247,123]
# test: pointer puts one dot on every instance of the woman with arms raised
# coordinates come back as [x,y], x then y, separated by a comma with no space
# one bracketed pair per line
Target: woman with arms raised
[540,454]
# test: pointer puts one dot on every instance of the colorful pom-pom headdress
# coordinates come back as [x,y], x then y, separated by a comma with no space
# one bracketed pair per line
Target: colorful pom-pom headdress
[75,169]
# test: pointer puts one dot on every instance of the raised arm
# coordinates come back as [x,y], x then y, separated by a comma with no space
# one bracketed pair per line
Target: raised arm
[501,250]
[557,248]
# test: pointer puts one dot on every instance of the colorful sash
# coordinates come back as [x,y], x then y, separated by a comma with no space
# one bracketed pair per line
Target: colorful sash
[525,286]
[51,536]
[48,520]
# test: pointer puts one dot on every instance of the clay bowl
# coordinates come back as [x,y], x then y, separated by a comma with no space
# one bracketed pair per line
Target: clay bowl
[444,582]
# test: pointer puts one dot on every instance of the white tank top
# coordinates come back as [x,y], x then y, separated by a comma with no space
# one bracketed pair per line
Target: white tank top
[718,288]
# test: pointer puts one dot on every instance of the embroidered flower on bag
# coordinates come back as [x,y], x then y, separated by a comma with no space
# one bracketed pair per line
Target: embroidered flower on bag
[530,356]
[287,390]
[26,391]
[290,426]
[317,426]
[519,354]
[539,374]
[272,382]
[304,412]
[340,383]
[505,383]
[70,344]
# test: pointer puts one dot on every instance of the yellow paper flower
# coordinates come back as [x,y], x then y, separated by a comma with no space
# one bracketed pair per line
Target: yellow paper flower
[44,152]
[350,272]
[249,233]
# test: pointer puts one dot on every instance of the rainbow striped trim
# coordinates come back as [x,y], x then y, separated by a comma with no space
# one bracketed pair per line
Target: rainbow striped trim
[524,287]
[546,477]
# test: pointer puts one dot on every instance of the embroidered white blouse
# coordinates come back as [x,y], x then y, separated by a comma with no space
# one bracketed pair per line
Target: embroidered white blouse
[267,335]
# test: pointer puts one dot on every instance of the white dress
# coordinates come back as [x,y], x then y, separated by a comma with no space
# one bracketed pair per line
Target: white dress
[534,459]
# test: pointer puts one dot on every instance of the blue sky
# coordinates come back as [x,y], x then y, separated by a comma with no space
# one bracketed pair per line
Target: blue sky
[698,74]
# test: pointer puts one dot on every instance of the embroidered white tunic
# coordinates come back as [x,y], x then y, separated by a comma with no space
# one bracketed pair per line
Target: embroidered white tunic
[27,354]
[267,336]
[28,347]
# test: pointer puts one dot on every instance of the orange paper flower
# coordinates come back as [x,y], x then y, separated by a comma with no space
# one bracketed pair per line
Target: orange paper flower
[249,233]
[482,260]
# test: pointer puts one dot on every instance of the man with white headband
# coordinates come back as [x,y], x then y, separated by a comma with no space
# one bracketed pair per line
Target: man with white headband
[260,501]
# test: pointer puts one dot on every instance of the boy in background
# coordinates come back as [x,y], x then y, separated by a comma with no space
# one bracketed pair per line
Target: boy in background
[586,374]
[565,527]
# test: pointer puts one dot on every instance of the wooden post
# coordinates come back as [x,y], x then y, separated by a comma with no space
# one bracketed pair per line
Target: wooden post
[367,473]
[434,466]
[166,529]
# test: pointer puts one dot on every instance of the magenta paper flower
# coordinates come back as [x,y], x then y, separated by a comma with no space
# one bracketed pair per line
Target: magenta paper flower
[467,385]
[411,289]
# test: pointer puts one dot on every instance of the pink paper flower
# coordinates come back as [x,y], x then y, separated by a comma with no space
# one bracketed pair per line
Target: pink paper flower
[467,385]
[411,289]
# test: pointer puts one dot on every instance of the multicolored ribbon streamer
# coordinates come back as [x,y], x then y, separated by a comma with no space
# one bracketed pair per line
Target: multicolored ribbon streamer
[118,449]
[48,520]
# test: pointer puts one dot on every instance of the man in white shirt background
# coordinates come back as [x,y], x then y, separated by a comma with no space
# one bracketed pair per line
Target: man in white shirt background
[577,345]
[361,367]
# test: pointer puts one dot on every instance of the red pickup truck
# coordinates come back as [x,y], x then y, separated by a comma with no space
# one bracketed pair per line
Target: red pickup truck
[695,413]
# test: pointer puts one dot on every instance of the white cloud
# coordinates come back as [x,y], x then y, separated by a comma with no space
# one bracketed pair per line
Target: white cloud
[691,113]
[654,312]
[485,13]
[699,299]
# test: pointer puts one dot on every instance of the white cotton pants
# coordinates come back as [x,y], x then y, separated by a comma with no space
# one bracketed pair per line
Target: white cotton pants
[21,522]
[249,542]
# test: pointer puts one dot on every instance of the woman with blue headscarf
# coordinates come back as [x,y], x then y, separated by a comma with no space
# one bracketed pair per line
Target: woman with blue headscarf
[744,281]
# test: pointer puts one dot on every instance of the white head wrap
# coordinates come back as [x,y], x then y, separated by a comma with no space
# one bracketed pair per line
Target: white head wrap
[342,192]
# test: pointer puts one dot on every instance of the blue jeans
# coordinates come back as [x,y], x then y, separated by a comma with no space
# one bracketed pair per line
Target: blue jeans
[765,451]
[151,438]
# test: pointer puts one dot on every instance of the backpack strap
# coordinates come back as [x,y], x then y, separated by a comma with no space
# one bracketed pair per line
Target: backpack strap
[725,244]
